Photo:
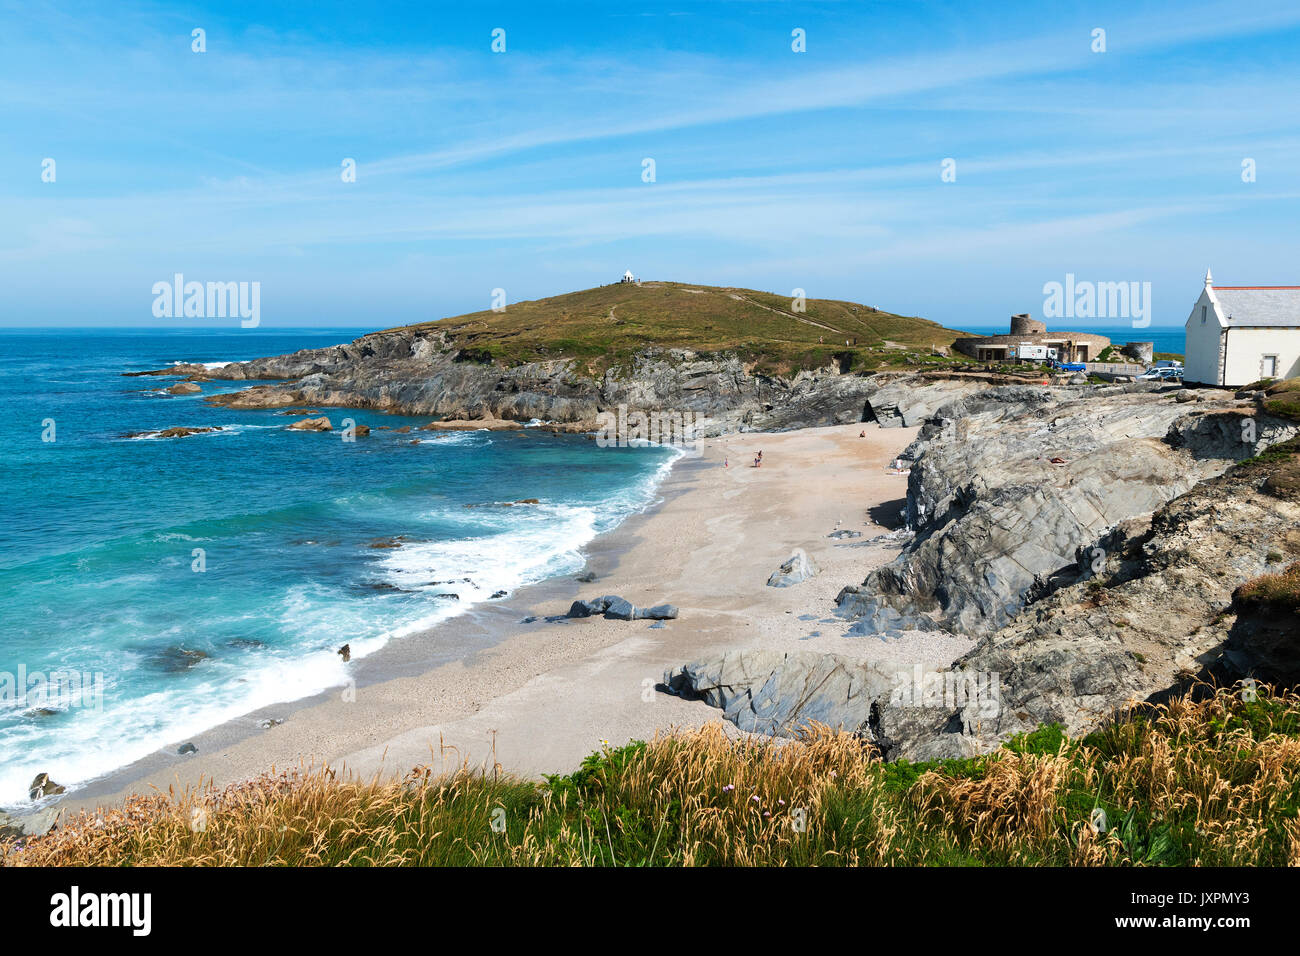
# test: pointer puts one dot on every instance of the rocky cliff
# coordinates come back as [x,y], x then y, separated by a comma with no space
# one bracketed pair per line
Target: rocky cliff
[420,371]
[1011,486]
[1098,542]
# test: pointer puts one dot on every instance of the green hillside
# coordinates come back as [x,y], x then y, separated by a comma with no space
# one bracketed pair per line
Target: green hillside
[605,326]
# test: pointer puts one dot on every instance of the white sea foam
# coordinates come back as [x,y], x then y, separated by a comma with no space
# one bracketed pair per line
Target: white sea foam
[522,544]
[535,542]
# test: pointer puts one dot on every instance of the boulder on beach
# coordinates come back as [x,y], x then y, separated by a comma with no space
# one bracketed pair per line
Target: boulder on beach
[660,612]
[588,608]
[620,609]
[798,568]
[321,424]
[186,749]
[616,608]
[345,652]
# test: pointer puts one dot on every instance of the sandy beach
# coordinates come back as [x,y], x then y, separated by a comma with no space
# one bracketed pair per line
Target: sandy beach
[487,690]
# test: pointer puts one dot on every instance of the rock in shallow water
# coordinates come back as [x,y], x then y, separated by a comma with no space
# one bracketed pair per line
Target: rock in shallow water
[43,786]
[321,424]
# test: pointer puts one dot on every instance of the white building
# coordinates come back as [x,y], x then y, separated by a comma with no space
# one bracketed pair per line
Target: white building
[628,277]
[1239,334]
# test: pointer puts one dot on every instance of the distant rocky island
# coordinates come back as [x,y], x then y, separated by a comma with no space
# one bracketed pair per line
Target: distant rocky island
[740,358]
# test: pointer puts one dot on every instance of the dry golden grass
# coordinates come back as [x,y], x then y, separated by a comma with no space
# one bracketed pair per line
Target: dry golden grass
[1280,592]
[1198,781]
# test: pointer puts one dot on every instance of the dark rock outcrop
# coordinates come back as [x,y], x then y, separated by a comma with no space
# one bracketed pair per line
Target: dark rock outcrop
[418,371]
[776,693]
[620,609]
[1013,487]
[43,786]
[176,431]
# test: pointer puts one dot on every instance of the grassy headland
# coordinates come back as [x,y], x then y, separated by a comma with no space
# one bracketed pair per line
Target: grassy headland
[1214,781]
[605,326]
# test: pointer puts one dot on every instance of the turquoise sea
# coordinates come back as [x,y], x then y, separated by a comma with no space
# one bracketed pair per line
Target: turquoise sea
[199,578]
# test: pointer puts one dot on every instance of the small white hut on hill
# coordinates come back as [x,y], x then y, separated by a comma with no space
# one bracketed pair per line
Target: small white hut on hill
[628,277]
[1240,334]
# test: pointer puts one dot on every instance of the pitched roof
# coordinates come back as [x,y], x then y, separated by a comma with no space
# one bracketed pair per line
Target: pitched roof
[1259,305]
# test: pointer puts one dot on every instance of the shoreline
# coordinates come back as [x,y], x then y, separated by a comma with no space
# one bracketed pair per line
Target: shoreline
[486,690]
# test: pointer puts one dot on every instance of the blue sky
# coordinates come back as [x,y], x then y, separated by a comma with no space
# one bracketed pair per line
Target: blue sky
[523,170]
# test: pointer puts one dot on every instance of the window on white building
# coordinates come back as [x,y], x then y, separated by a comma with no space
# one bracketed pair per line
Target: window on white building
[1269,366]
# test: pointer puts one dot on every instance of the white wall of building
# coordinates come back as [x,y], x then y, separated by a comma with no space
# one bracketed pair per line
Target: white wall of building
[1201,363]
[1247,350]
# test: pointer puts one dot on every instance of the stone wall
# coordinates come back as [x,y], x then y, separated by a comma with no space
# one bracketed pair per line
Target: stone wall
[1068,343]
[1024,325]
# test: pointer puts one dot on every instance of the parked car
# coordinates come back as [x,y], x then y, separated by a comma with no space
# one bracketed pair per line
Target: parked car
[1166,374]
[1070,366]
